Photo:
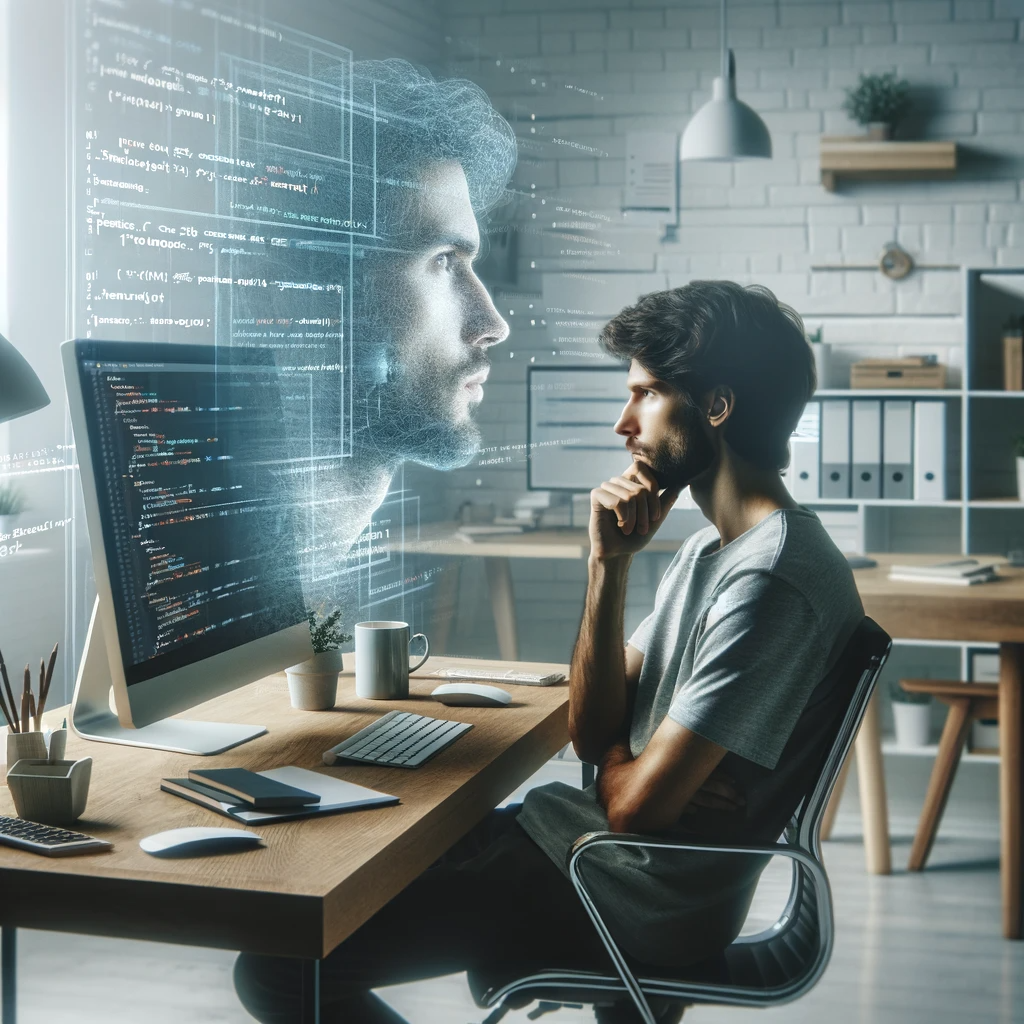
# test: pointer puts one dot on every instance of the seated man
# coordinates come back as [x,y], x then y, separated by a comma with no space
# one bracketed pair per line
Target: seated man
[706,723]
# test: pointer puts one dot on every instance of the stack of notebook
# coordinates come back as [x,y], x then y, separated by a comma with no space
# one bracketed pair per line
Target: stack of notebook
[961,572]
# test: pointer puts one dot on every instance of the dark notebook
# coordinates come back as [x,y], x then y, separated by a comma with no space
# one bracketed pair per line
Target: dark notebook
[253,789]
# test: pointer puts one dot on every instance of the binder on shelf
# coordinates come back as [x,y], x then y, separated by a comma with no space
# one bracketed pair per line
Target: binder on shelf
[897,449]
[805,455]
[929,451]
[866,448]
[835,448]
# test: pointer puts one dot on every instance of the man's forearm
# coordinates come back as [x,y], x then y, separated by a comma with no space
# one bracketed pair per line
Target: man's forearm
[598,701]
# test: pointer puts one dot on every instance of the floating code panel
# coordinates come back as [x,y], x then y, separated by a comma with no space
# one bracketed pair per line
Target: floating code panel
[224,172]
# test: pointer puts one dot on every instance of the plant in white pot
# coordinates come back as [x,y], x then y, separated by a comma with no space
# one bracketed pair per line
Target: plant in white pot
[1018,450]
[912,714]
[821,350]
[313,684]
[879,103]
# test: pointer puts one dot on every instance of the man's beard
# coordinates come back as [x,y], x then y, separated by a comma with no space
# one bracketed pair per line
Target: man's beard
[679,459]
[412,417]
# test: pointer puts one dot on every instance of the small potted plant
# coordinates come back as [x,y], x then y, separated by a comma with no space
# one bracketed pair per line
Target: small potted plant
[879,103]
[313,684]
[821,350]
[12,504]
[1018,450]
[912,713]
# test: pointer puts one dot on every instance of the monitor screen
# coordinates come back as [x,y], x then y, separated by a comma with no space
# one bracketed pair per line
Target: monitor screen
[189,457]
[571,438]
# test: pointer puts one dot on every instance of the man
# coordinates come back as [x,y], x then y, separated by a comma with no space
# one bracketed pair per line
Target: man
[706,723]
[438,157]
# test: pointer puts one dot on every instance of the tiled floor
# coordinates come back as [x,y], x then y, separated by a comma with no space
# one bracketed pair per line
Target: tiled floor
[910,949]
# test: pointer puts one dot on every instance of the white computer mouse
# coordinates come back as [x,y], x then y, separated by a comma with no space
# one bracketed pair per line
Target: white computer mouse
[471,695]
[198,842]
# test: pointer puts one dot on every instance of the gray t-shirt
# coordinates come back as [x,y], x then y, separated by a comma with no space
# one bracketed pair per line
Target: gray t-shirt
[740,648]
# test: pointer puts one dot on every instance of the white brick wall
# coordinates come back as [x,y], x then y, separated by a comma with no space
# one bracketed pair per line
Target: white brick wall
[591,70]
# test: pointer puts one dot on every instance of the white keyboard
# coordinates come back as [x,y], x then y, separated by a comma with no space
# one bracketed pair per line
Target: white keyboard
[485,675]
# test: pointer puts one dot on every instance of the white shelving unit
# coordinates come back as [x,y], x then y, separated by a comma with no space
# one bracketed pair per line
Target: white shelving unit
[991,515]
[988,418]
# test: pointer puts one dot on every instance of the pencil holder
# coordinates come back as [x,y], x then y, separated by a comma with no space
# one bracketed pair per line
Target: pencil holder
[53,794]
[25,744]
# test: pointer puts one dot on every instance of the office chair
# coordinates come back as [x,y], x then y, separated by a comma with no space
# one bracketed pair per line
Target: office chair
[774,966]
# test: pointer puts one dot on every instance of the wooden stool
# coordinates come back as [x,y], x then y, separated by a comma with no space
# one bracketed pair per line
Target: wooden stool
[967,701]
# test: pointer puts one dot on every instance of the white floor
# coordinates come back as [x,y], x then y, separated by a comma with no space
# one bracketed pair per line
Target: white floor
[910,949]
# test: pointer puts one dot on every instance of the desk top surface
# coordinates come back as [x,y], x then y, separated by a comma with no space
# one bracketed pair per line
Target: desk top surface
[317,879]
[565,543]
[991,612]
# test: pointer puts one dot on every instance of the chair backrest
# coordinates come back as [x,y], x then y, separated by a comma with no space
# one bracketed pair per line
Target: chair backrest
[861,661]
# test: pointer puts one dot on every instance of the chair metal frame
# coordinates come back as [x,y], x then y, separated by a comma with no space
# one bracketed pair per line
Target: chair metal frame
[809,905]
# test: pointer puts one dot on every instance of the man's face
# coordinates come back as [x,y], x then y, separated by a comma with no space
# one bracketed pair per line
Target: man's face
[663,430]
[440,325]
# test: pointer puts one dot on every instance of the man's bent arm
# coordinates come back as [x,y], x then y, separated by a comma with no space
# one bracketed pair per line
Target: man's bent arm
[599,680]
[649,793]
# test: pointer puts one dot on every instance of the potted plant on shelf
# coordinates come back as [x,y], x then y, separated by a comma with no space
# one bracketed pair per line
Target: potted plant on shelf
[912,714]
[12,504]
[1018,449]
[879,103]
[821,351]
[313,684]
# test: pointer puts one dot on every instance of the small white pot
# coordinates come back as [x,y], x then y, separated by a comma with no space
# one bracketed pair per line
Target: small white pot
[913,723]
[822,359]
[1020,477]
[313,684]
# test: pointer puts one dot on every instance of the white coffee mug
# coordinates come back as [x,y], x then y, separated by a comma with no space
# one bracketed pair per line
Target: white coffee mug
[382,659]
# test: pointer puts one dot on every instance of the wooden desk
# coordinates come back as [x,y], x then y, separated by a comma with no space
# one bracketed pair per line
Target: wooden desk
[497,551]
[990,613]
[317,880]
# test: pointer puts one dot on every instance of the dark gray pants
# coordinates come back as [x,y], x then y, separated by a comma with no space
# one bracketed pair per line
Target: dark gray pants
[494,898]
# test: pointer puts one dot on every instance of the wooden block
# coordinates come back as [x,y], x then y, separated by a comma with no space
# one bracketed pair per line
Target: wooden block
[1013,362]
[894,375]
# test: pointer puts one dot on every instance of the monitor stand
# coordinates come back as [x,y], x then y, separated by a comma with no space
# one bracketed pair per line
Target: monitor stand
[92,719]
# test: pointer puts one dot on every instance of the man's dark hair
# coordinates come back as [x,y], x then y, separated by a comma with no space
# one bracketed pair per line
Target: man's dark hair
[424,120]
[718,333]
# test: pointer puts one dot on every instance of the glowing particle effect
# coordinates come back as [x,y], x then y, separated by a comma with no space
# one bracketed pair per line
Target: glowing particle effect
[479,482]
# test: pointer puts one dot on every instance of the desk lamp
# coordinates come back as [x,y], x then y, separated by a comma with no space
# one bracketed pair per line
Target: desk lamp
[20,389]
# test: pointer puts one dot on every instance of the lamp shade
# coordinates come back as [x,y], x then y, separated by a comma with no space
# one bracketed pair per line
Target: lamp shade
[725,128]
[20,390]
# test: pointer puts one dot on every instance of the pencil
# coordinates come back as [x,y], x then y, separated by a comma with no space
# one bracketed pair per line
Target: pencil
[32,709]
[7,714]
[10,693]
[44,688]
[37,708]
[26,690]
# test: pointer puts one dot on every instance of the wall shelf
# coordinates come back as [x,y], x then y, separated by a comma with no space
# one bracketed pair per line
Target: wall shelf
[860,158]
[890,393]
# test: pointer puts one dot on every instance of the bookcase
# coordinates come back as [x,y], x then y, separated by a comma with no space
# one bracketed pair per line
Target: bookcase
[982,513]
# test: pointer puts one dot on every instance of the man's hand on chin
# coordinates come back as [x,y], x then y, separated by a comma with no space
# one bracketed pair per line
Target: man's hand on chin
[626,511]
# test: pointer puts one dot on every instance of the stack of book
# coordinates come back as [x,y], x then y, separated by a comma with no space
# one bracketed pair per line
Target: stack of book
[961,572]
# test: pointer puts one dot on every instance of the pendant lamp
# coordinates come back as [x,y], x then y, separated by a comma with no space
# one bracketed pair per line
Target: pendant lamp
[20,389]
[725,128]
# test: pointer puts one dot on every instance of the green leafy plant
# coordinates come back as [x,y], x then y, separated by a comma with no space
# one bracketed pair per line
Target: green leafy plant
[901,696]
[326,631]
[1018,446]
[878,98]
[12,501]
[814,337]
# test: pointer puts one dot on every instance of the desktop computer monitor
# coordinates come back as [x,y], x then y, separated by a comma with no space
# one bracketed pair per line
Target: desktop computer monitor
[185,477]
